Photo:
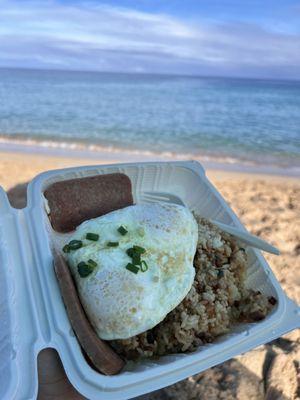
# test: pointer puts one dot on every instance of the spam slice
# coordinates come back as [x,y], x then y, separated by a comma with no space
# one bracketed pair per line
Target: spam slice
[98,352]
[76,200]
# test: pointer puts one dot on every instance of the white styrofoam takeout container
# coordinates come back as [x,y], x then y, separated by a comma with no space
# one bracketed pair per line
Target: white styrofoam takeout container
[33,316]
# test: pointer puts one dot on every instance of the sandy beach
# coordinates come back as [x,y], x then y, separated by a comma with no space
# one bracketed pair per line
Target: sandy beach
[270,208]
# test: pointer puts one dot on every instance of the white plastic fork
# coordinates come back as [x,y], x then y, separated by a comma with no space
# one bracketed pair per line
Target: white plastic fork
[251,240]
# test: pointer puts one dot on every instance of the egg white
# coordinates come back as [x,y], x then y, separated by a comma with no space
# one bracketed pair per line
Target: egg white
[119,303]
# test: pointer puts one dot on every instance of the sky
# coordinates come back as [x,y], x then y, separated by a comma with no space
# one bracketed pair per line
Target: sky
[235,38]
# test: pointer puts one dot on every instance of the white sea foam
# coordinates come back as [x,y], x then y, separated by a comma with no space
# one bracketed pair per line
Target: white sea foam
[113,153]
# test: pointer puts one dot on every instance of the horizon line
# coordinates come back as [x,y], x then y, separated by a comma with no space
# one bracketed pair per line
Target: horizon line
[142,73]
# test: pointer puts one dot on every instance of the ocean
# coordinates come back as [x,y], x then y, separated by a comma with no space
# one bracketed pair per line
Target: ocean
[238,120]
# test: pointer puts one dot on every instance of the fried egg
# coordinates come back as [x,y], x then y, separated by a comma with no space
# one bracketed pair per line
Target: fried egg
[118,302]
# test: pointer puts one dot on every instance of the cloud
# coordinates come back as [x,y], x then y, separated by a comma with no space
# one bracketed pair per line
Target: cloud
[93,36]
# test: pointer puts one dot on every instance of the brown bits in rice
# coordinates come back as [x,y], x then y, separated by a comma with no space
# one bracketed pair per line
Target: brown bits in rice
[217,299]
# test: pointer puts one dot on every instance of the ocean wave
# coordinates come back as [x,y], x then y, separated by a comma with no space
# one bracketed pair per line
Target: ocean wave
[112,153]
[96,148]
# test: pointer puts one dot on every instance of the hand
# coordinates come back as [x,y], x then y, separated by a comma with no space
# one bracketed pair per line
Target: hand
[53,382]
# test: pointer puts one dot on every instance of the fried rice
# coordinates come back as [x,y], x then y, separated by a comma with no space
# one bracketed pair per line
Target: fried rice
[217,299]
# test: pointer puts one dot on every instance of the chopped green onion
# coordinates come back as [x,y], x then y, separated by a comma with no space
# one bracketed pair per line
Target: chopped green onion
[122,230]
[135,250]
[139,249]
[81,264]
[84,269]
[135,253]
[136,256]
[130,252]
[92,263]
[75,244]
[136,259]
[92,236]
[112,244]
[144,266]
[132,268]
[66,249]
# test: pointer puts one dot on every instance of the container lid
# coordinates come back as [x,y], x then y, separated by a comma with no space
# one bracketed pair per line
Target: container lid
[18,328]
